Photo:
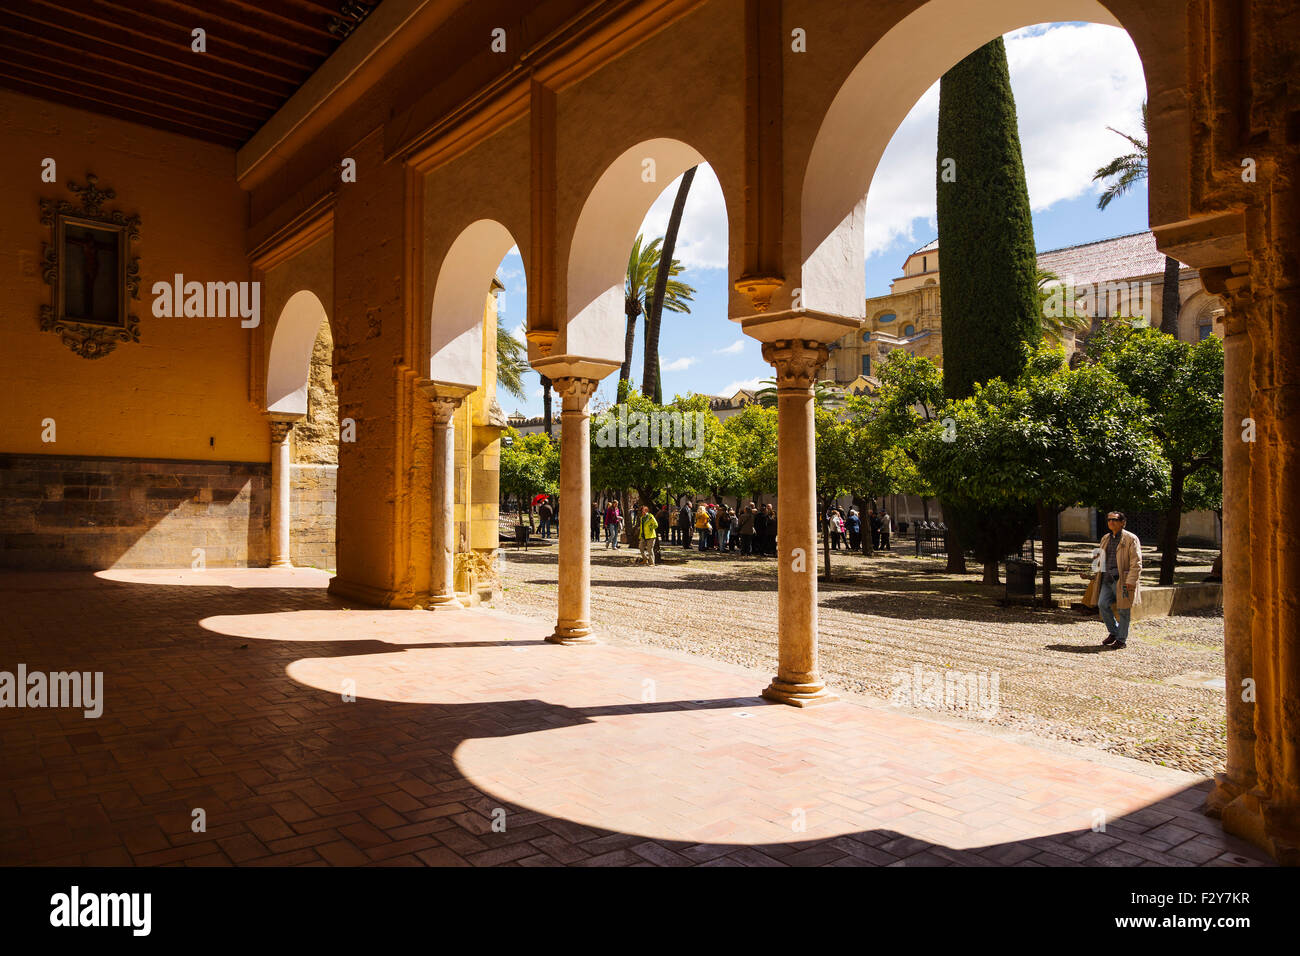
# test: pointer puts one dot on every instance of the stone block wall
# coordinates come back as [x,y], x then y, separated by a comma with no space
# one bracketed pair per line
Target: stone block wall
[87,513]
[312,512]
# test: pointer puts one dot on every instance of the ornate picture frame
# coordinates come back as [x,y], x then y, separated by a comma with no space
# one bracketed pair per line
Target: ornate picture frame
[92,273]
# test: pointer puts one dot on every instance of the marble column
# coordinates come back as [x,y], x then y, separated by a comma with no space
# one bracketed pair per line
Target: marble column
[442,481]
[573,624]
[797,681]
[1239,776]
[281,487]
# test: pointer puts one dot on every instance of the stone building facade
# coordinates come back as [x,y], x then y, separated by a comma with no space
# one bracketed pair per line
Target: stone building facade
[1124,274]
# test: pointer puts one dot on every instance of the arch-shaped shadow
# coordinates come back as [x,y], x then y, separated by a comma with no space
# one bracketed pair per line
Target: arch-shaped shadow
[289,773]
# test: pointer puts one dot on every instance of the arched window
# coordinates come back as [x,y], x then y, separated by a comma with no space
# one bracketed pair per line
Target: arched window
[866,336]
[886,318]
[909,330]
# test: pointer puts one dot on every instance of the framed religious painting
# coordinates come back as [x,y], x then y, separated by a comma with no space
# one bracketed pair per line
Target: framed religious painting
[91,270]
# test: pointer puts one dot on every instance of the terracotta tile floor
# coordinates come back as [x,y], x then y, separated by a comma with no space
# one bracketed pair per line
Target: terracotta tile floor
[471,741]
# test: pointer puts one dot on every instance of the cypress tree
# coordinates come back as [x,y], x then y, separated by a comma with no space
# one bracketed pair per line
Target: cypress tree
[989,291]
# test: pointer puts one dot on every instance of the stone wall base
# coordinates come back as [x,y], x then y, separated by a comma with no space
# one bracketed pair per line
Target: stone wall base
[61,512]
[313,494]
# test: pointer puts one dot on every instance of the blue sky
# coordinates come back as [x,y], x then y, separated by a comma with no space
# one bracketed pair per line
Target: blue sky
[1071,81]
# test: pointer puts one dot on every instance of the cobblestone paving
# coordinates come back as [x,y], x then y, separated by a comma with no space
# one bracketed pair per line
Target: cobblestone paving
[224,691]
[1054,680]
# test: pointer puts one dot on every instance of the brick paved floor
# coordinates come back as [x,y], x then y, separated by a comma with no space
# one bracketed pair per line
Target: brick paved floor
[224,691]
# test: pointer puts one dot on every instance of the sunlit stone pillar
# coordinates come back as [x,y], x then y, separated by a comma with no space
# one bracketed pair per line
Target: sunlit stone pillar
[442,488]
[573,625]
[797,681]
[1239,776]
[281,487]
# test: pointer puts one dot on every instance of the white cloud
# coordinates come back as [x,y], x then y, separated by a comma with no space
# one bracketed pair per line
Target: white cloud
[539,392]
[731,349]
[1070,81]
[750,383]
[518,332]
[702,238]
[677,365]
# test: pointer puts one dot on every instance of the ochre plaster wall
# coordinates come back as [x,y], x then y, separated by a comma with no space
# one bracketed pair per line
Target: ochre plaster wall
[182,391]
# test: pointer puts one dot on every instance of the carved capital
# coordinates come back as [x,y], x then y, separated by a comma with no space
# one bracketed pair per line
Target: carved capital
[575,392]
[280,431]
[1233,285]
[797,362]
[443,399]
[443,409]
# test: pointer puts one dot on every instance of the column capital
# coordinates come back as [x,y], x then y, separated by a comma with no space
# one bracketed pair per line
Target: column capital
[444,398]
[797,361]
[282,425]
[575,391]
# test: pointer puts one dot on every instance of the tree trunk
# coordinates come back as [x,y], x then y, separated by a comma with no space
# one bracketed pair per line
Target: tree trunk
[925,507]
[991,572]
[1051,546]
[1173,522]
[650,383]
[546,405]
[632,308]
[1170,299]
[1051,538]
[956,558]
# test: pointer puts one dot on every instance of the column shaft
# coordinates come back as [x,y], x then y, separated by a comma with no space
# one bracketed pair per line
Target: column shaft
[442,589]
[281,488]
[1238,625]
[797,679]
[573,624]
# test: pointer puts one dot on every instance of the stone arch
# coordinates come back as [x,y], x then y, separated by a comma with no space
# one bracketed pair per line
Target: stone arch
[602,239]
[1198,310]
[868,108]
[288,367]
[456,315]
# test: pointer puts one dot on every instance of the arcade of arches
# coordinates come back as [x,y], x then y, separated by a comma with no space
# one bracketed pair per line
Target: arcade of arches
[543,147]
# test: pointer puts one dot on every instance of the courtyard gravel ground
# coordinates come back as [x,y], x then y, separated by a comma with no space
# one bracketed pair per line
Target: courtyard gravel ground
[892,614]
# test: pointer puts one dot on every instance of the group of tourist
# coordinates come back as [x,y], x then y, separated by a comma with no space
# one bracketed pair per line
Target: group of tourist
[846,530]
[710,526]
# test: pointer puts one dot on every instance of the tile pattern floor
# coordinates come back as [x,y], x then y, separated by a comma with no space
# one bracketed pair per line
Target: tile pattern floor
[473,742]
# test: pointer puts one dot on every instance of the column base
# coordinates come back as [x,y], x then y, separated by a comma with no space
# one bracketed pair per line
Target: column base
[442,601]
[572,634]
[1250,817]
[798,695]
[281,564]
[1224,792]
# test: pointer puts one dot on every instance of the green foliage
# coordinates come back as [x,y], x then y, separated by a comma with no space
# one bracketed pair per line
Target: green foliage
[622,458]
[752,434]
[1125,170]
[512,361]
[1181,388]
[826,394]
[989,292]
[530,465]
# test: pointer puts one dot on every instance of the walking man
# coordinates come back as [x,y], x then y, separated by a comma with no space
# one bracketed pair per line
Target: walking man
[595,521]
[1117,566]
[649,530]
[886,528]
[545,512]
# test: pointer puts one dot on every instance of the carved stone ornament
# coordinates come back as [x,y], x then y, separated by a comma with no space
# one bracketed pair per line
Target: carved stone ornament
[90,270]
[797,362]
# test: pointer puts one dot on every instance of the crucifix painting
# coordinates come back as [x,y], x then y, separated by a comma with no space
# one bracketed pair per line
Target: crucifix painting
[91,282]
[91,270]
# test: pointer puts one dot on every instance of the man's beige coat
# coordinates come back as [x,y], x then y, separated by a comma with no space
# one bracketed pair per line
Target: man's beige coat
[1128,559]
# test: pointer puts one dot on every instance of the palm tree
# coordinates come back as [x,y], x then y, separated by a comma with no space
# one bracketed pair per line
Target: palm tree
[1125,171]
[546,404]
[826,394]
[650,371]
[512,361]
[642,269]
[1054,326]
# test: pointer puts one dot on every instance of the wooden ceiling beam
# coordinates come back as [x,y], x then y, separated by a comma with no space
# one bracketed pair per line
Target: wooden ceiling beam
[183,106]
[13,42]
[145,110]
[252,51]
[254,19]
[246,66]
[262,93]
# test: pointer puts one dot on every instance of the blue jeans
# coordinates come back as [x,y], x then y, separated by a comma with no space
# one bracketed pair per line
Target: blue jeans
[704,538]
[1109,614]
[723,535]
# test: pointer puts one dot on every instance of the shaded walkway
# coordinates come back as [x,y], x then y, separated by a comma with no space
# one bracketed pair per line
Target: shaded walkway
[224,691]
